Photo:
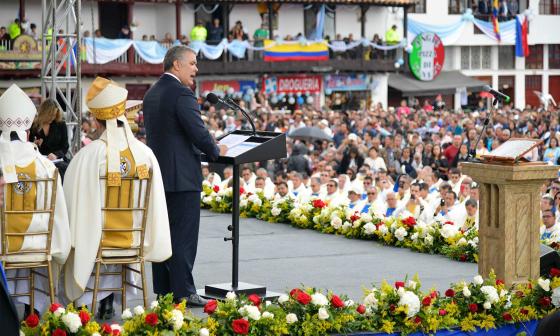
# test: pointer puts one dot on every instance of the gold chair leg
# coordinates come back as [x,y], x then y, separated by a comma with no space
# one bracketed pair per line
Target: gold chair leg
[31,290]
[51,284]
[143,278]
[123,286]
[95,288]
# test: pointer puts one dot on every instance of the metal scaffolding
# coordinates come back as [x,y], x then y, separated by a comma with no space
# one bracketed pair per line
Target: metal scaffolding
[60,71]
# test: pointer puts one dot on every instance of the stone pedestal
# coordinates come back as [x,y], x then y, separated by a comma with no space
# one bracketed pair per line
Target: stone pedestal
[509,218]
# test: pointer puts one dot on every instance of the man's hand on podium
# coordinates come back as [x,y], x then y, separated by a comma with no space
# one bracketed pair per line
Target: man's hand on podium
[223,149]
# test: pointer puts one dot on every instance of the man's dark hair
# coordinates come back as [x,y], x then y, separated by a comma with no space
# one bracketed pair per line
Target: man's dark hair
[471,202]
[282,183]
[173,54]
[423,186]
[452,193]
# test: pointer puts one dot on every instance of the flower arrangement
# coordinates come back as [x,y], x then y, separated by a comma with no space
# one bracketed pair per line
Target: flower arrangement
[482,304]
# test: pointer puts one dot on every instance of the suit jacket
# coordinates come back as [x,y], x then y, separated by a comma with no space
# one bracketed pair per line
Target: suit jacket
[176,134]
[8,314]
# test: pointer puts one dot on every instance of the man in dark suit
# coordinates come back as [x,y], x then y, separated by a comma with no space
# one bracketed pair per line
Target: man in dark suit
[176,134]
[8,314]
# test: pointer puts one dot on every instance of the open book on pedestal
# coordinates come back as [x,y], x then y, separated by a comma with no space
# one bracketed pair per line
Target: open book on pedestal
[512,151]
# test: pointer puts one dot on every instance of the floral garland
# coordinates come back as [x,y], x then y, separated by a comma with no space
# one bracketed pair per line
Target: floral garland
[402,307]
[436,238]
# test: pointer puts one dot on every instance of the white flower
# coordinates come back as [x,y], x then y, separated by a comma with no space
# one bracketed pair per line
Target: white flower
[478,280]
[556,297]
[371,301]
[414,236]
[448,231]
[21,333]
[59,312]
[462,241]
[303,218]
[491,293]
[231,296]
[316,219]
[291,318]
[207,199]
[319,299]
[346,225]
[257,202]
[383,229]
[466,292]
[429,240]
[369,228]
[412,301]
[411,284]
[366,218]
[243,203]
[218,199]
[138,310]
[348,303]
[204,332]
[126,314]
[544,284]
[177,319]
[336,222]
[275,211]
[250,311]
[487,305]
[400,233]
[323,314]
[267,315]
[283,298]
[503,293]
[472,243]
[401,291]
[116,327]
[154,305]
[206,183]
[94,334]
[252,198]
[72,321]
[267,303]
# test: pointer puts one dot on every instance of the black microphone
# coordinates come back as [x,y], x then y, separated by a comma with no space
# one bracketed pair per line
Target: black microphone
[213,99]
[497,94]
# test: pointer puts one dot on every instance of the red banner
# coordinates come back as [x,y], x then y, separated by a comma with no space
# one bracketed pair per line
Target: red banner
[219,86]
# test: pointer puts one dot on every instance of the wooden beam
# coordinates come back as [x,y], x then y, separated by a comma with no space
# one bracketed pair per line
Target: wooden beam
[270,25]
[21,12]
[178,8]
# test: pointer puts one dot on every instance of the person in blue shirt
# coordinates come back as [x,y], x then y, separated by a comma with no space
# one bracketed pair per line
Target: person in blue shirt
[391,199]
[552,153]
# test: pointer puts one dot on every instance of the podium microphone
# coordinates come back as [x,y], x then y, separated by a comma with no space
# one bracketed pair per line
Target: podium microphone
[497,94]
[213,99]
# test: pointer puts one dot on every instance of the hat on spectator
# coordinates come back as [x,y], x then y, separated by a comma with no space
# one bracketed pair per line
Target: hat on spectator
[17,112]
[352,137]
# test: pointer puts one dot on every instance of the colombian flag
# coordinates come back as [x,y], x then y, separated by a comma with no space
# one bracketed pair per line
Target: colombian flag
[495,12]
[315,51]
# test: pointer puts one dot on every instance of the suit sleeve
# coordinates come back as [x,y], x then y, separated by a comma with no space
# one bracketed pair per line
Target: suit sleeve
[189,118]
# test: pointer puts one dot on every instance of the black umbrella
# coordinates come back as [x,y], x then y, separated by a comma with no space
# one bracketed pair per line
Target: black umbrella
[309,133]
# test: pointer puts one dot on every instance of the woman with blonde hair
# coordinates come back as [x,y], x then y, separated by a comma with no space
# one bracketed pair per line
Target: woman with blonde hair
[50,134]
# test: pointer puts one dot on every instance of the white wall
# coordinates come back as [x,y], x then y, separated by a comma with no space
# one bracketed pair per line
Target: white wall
[290,20]
[380,93]
[248,15]
[187,19]
[347,21]
[377,22]
[87,8]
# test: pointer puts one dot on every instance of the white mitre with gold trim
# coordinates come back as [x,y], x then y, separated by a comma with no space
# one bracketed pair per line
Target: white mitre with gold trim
[17,112]
[107,101]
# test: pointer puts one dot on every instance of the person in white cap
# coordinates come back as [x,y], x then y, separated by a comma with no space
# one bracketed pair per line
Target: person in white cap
[114,155]
[20,160]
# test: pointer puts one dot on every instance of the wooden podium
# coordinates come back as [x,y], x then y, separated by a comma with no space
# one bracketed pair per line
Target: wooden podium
[510,193]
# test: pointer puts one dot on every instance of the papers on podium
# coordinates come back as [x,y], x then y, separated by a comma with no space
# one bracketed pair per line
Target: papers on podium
[237,144]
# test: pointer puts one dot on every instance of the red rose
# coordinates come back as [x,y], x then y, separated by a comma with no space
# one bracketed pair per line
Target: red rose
[318,204]
[210,307]
[417,320]
[473,307]
[240,326]
[507,316]
[545,301]
[524,311]
[426,301]
[255,299]
[84,317]
[105,328]
[294,292]
[354,217]
[336,302]
[433,294]
[361,309]
[54,307]
[449,222]
[442,312]
[32,320]
[59,332]
[116,332]
[303,298]
[519,294]
[554,272]
[499,282]
[392,308]
[216,188]
[410,221]
[151,319]
[463,257]
[399,284]
[241,190]
[450,293]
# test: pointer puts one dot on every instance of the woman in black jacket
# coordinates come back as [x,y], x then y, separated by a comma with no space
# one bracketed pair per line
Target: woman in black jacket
[50,134]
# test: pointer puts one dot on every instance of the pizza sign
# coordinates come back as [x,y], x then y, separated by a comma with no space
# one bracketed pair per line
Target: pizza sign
[427,56]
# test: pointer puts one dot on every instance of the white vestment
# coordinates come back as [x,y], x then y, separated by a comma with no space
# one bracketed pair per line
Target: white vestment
[85,191]
[60,243]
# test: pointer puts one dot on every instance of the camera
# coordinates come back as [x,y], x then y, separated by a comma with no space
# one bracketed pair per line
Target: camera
[442,202]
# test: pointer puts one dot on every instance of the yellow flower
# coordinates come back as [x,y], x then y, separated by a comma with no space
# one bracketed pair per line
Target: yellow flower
[555,283]
[468,323]
[487,322]
[92,327]
[388,327]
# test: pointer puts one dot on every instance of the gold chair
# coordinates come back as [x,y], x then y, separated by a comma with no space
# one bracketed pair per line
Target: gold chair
[111,250]
[22,204]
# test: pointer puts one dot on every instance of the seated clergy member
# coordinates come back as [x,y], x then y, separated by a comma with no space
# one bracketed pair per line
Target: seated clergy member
[550,230]
[21,160]
[115,154]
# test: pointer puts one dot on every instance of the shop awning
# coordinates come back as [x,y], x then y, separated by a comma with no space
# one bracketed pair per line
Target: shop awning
[446,83]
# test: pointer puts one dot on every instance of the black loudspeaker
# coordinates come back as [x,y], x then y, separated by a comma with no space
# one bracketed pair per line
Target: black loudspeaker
[549,259]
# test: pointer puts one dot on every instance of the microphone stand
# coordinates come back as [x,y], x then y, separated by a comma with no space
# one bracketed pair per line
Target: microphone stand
[245,115]
[472,151]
